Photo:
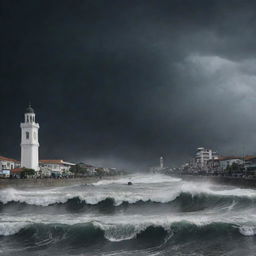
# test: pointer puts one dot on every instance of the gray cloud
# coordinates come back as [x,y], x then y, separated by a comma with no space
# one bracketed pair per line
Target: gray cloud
[121,83]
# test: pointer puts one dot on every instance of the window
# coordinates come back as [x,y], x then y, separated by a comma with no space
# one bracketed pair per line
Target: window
[27,135]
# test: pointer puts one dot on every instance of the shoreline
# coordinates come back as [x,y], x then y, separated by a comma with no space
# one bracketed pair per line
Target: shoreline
[34,183]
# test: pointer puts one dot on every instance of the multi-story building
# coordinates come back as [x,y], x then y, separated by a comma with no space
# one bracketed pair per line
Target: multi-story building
[226,161]
[250,164]
[203,155]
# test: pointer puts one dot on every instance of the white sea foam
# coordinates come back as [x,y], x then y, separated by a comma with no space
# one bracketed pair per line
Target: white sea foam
[124,227]
[89,197]
[196,188]
[247,230]
[11,228]
[139,179]
[155,188]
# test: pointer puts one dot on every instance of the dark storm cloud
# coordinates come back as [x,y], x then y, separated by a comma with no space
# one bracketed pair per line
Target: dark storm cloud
[123,82]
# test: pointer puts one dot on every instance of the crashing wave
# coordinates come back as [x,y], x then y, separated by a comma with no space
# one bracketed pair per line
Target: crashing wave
[204,196]
[121,232]
[139,179]
[185,202]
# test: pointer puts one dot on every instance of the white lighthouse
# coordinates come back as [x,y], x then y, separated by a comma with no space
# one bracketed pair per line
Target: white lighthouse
[29,140]
[161,162]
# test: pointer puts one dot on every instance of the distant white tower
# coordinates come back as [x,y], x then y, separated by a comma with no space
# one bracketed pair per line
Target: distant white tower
[29,141]
[161,162]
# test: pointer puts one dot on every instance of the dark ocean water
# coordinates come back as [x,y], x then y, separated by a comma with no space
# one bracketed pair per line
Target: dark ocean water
[157,215]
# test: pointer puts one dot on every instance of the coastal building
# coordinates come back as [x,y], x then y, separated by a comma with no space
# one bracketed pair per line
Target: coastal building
[250,164]
[5,173]
[83,169]
[226,161]
[213,163]
[29,141]
[223,163]
[86,169]
[203,155]
[16,172]
[55,165]
[8,163]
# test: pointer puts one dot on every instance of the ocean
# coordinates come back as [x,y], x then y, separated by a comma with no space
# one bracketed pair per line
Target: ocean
[157,215]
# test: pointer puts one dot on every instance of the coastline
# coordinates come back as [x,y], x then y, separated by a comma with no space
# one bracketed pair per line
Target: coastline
[238,182]
[33,183]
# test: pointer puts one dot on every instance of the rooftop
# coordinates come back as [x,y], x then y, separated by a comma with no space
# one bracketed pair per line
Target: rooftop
[54,161]
[249,157]
[3,158]
[17,170]
[223,158]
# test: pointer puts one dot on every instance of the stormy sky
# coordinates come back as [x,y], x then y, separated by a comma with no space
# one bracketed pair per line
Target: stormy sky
[119,83]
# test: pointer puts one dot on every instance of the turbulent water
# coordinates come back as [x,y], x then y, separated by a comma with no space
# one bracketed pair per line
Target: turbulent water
[157,215]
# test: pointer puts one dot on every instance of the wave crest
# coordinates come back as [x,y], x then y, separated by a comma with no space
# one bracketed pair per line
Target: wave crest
[96,232]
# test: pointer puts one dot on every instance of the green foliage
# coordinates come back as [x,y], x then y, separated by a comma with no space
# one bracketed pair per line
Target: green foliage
[233,168]
[99,171]
[27,172]
[86,170]
[77,169]
[74,168]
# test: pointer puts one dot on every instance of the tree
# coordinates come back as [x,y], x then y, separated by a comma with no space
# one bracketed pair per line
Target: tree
[27,172]
[78,169]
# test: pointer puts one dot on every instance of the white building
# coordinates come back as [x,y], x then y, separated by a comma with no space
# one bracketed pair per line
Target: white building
[56,165]
[203,155]
[29,141]
[8,163]
[226,161]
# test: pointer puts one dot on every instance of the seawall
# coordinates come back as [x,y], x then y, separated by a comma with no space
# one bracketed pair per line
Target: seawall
[48,182]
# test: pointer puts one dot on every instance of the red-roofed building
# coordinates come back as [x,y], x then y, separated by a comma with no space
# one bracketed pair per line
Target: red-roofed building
[223,162]
[17,170]
[55,165]
[17,173]
[250,164]
[8,163]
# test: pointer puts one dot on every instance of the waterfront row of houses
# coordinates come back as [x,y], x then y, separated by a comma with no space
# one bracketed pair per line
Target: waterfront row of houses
[208,161]
[10,166]
[29,160]
[30,165]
